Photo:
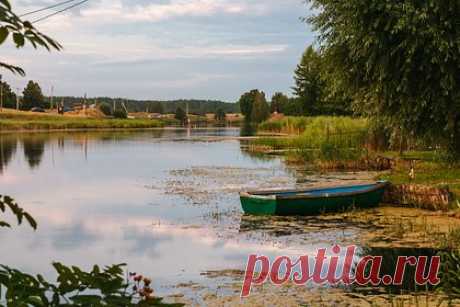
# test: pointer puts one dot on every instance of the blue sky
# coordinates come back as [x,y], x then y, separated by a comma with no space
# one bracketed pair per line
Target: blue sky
[167,49]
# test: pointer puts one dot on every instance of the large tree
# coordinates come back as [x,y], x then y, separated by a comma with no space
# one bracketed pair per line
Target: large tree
[8,96]
[294,107]
[308,83]
[399,59]
[254,106]
[278,103]
[246,103]
[260,108]
[180,115]
[33,96]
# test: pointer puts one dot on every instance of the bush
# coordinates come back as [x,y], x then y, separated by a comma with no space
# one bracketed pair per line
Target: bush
[105,108]
[120,114]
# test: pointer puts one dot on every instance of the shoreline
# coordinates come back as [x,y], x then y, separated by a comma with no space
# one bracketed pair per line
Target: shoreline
[51,130]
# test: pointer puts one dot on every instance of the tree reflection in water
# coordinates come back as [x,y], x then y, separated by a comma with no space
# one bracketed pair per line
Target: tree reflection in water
[8,146]
[34,148]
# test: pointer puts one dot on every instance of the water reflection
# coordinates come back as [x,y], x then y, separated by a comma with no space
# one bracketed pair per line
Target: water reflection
[248,129]
[147,199]
[112,197]
[8,146]
[33,144]
[34,148]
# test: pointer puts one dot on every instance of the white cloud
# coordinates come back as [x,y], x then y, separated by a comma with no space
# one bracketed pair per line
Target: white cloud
[138,49]
[166,48]
[116,11]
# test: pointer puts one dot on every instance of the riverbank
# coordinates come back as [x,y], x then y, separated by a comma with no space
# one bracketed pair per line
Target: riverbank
[345,143]
[13,121]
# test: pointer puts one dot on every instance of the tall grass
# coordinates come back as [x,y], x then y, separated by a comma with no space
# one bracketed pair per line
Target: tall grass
[324,137]
[289,125]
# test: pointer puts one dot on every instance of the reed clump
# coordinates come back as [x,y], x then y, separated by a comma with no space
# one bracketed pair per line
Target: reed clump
[286,125]
[322,138]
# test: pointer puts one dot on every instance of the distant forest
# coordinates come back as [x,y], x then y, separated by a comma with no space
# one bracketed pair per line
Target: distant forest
[195,106]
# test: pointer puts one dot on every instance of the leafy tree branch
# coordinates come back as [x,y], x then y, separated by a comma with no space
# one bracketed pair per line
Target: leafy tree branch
[21,32]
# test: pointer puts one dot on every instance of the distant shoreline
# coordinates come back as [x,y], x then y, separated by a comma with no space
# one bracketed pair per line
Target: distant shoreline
[11,131]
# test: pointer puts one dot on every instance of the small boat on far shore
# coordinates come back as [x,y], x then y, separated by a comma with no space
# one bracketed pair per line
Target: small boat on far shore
[313,201]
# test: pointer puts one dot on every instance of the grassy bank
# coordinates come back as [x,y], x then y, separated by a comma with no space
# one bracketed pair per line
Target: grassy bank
[320,138]
[14,121]
[429,169]
[288,125]
[345,143]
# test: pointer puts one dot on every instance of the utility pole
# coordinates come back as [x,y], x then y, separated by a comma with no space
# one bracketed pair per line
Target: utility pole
[1,94]
[188,118]
[84,105]
[124,106]
[17,98]
[51,97]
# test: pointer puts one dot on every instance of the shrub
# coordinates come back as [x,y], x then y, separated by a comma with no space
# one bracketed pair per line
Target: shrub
[120,114]
[105,108]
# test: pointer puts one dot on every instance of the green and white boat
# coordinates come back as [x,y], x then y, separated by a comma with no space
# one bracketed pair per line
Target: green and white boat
[313,201]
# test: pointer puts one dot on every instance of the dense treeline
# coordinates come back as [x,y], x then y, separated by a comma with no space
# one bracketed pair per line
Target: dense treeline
[314,93]
[32,96]
[195,106]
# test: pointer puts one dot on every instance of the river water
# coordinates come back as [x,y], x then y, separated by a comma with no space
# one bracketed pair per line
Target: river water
[163,201]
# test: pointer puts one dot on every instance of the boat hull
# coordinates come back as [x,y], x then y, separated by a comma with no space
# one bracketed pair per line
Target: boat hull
[325,203]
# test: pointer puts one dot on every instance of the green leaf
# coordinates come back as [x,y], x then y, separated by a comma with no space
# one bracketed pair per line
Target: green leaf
[31,220]
[3,34]
[86,299]
[18,39]
[35,301]
[6,3]
[4,224]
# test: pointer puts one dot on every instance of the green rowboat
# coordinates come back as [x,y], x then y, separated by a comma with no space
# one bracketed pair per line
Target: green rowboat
[313,201]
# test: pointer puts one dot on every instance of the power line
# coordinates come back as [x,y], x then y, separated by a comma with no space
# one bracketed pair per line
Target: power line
[60,11]
[46,8]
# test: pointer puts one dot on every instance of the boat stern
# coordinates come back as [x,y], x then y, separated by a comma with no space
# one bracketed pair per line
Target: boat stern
[258,204]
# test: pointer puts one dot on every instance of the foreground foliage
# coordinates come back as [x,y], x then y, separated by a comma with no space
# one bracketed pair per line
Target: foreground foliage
[75,287]
[7,202]
[21,32]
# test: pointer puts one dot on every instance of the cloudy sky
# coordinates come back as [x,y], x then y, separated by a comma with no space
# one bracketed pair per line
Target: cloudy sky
[166,49]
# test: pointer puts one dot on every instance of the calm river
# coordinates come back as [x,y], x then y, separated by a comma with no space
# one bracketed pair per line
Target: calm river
[165,202]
